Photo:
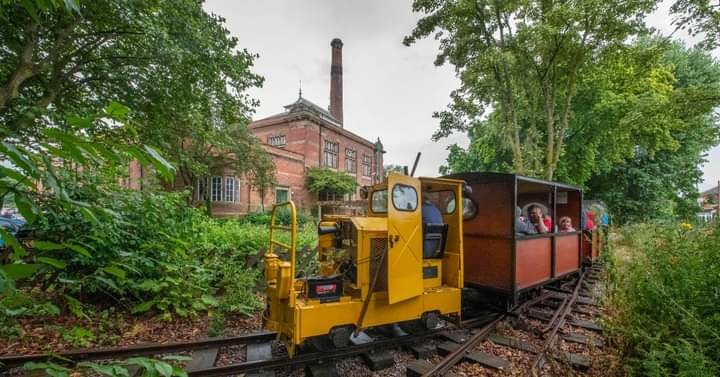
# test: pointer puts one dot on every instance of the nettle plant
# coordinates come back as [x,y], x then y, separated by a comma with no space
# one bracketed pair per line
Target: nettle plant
[45,169]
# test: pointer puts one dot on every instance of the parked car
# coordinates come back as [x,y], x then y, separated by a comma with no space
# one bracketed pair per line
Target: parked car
[12,224]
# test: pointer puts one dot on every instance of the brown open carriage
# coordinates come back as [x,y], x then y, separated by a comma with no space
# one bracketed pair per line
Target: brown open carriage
[502,264]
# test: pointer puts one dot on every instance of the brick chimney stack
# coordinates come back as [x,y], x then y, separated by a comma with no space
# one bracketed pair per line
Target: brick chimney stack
[336,84]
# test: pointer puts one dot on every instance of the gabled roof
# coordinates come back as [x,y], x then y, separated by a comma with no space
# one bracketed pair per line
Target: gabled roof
[303,104]
[305,108]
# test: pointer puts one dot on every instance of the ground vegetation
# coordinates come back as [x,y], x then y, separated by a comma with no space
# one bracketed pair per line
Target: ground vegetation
[663,281]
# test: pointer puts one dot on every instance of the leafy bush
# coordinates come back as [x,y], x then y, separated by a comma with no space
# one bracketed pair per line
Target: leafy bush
[320,179]
[148,251]
[665,281]
[140,252]
[283,217]
[225,246]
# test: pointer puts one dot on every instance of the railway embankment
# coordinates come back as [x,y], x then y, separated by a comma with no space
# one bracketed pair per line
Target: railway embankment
[663,297]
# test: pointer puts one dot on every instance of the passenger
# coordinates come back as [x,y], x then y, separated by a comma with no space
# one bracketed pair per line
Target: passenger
[522,226]
[566,224]
[589,223]
[430,215]
[542,223]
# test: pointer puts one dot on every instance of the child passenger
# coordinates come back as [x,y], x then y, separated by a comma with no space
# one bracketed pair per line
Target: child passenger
[566,224]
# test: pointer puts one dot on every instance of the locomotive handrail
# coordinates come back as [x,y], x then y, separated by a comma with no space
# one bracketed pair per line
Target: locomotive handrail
[293,235]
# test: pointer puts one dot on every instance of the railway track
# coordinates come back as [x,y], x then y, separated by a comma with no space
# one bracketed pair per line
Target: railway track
[531,340]
[533,332]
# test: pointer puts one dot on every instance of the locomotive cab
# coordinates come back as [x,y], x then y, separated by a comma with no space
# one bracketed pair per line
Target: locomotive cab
[373,270]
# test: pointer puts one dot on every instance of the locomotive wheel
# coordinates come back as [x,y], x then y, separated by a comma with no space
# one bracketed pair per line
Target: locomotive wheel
[340,336]
[430,320]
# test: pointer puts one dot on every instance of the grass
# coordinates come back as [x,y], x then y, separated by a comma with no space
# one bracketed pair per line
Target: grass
[665,295]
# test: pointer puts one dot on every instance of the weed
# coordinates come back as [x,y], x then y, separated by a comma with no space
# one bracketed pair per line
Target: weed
[78,337]
[664,283]
[217,324]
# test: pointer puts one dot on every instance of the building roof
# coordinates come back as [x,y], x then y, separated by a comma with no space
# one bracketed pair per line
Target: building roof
[303,104]
[306,108]
[712,191]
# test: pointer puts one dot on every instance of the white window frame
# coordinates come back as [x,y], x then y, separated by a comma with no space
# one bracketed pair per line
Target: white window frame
[216,188]
[201,188]
[331,154]
[366,165]
[350,161]
[277,140]
[230,189]
[282,188]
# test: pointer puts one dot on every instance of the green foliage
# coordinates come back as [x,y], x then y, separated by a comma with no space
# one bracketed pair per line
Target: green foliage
[153,253]
[51,369]
[54,164]
[141,252]
[283,217]
[65,68]
[664,281]
[157,368]
[147,367]
[393,168]
[217,325]
[523,60]
[643,121]
[657,175]
[193,113]
[698,17]
[78,337]
[320,179]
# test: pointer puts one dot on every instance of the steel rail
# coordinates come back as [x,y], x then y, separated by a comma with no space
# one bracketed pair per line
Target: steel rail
[524,306]
[561,321]
[138,350]
[453,358]
[309,358]
[554,317]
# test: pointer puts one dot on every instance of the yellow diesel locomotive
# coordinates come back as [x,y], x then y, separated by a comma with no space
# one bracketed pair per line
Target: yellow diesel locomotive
[383,268]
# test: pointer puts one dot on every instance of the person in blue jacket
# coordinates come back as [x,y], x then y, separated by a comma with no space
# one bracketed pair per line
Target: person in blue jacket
[430,215]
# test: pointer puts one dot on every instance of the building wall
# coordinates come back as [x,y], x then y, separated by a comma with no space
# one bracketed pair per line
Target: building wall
[304,149]
[307,137]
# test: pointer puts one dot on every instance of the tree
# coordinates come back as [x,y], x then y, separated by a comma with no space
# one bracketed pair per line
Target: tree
[170,62]
[643,120]
[326,180]
[698,17]
[262,177]
[523,59]
[664,184]
[393,168]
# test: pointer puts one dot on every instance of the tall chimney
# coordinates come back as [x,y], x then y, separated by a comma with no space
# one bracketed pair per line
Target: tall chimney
[336,85]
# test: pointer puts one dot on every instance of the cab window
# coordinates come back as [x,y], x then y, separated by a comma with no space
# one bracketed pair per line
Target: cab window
[405,198]
[379,201]
[469,208]
[443,200]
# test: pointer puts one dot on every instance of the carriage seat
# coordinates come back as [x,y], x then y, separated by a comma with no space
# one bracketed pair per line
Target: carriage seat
[434,237]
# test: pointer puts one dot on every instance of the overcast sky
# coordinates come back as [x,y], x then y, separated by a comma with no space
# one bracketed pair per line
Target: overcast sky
[390,91]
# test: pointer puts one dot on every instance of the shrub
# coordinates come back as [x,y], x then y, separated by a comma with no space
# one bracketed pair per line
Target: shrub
[139,253]
[665,281]
[320,179]
[150,251]
[283,217]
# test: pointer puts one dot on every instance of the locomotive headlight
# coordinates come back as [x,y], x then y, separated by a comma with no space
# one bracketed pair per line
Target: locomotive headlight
[469,209]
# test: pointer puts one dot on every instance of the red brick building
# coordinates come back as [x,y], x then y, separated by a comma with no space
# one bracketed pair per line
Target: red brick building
[303,136]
